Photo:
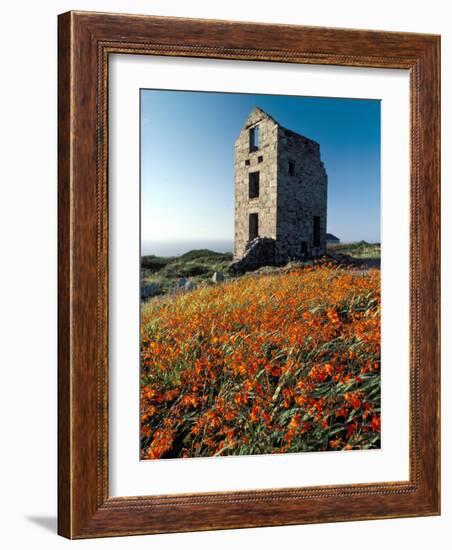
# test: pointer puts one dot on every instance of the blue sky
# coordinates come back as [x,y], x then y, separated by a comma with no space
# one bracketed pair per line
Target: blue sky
[187,147]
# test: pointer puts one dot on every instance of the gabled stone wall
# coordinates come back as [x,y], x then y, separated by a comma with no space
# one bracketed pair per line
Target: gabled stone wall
[289,195]
[264,160]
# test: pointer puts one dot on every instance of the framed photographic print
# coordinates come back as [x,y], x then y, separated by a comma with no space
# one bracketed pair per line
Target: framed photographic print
[248,275]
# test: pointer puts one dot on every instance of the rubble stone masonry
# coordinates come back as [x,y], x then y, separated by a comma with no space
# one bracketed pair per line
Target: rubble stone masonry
[288,195]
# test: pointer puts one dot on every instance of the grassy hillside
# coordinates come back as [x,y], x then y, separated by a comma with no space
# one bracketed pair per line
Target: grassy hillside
[265,363]
[198,265]
[361,250]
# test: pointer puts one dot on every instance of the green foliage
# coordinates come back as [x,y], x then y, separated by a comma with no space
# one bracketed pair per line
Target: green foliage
[360,250]
[200,265]
[207,254]
[196,265]
[155,263]
[186,269]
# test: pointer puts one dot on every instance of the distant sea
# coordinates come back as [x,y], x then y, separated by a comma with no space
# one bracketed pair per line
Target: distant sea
[176,248]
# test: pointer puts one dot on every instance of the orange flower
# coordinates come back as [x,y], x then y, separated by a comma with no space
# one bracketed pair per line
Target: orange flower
[255,413]
[335,443]
[161,443]
[353,398]
[351,428]
[375,423]
[333,317]
[275,352]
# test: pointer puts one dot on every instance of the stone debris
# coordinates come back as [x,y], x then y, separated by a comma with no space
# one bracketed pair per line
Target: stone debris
[258,253]
[182,281]
[217,277]
[189,285]
[150,290]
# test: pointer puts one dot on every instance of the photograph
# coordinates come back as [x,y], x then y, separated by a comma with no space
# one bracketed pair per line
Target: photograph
[248,273]
[260,274]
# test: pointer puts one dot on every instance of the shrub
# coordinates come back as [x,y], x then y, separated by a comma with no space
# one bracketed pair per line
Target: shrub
[206,254]
[155,263]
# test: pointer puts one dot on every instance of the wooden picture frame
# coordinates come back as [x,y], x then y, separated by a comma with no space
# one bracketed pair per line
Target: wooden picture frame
[86,40]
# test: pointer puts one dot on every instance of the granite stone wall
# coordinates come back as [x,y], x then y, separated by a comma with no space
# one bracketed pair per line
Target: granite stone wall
[301,195]
[292,189]
[263,160]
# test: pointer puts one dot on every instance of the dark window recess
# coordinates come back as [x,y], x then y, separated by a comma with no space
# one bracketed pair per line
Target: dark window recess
[316,231]
[304,248]
[260,158]
[291,168]
[247,162]
[254,138]
[253,226]
[253,185]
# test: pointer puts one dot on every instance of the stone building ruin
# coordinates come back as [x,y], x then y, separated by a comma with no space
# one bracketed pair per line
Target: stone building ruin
[280,193]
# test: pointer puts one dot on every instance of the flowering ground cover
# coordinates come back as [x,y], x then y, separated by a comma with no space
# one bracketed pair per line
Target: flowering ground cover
[266,363]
